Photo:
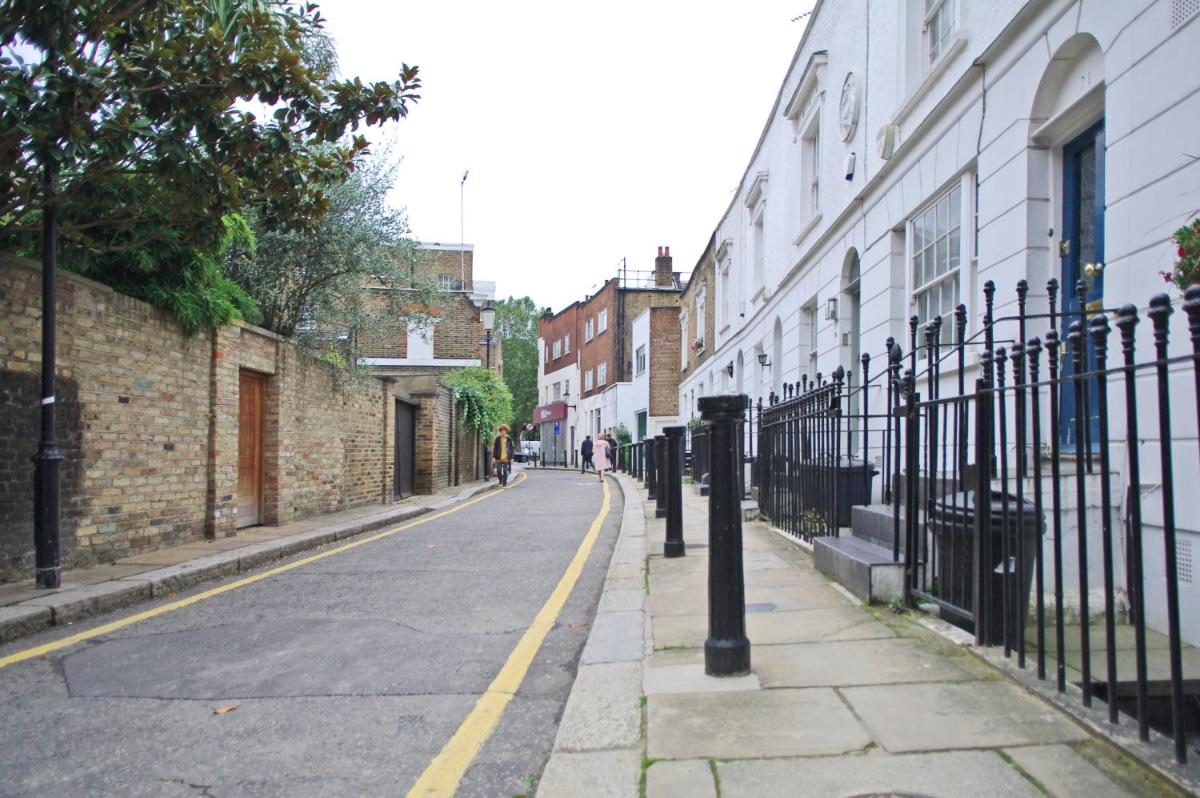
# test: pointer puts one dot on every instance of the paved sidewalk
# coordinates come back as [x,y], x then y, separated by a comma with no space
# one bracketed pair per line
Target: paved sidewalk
[85,592]
[842,700]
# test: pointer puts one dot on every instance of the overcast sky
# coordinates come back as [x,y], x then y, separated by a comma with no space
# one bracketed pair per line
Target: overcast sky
[592,132]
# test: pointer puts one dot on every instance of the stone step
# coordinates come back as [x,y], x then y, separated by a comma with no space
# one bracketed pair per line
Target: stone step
[863,568]
[873,524]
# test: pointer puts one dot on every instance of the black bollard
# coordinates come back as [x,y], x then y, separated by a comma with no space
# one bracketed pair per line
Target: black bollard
[673,547]
[660,476]
[727,649]
[649,469]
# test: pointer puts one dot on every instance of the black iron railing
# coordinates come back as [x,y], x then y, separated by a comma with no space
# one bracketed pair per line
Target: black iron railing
[1056,458]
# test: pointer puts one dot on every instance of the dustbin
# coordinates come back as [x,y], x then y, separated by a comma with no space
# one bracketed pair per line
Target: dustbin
[952,524]
[853,486]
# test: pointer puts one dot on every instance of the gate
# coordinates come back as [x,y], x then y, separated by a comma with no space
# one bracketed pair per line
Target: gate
[405,448]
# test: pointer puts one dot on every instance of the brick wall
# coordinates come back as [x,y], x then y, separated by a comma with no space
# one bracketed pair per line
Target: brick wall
[703,279]
[556,328]
[633,302]
[664,361]
[147,420]
[604,346]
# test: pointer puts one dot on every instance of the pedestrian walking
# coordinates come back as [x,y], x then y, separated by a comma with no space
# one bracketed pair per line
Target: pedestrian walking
[585,454]
[602,455]
[502,455]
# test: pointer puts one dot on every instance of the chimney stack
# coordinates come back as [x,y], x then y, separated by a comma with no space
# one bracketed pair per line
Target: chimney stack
[664,276]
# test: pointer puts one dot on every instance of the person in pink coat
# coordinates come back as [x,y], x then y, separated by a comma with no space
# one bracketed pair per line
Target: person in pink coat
[601,456]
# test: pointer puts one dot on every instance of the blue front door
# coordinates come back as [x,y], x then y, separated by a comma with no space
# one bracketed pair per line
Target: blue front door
[1083,247]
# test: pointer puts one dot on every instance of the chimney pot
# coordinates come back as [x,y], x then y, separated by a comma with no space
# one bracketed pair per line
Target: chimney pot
[667,251]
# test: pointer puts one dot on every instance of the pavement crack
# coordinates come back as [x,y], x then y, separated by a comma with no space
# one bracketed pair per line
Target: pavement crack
[201,789]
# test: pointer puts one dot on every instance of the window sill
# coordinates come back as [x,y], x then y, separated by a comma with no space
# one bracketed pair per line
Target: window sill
[808,227]
[931,76]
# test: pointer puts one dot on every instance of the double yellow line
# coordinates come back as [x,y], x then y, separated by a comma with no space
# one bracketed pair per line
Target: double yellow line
[103,629]
[442,776]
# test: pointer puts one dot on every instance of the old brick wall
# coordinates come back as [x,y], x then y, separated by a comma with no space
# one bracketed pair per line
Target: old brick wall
[148,425]
[664,361]
[556,328]
[633,302]
[604,346]
[703,280]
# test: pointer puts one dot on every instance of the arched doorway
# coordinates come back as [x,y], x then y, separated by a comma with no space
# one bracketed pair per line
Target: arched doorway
[1067,160]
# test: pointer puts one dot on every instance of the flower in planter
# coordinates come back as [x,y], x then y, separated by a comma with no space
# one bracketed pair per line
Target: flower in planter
[698,345]
[1187,251]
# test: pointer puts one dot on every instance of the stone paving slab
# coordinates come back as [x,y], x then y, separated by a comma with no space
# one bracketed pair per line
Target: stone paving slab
[596,774]
[776,627]
[758,723]
[692,778]
[604,709]
[1065,773]
[856,662]
[622,600]
[936,717]
[615,637]
[691,678]
[958,774]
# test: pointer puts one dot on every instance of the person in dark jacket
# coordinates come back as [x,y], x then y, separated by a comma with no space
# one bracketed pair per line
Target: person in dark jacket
[502,454]
[585,454]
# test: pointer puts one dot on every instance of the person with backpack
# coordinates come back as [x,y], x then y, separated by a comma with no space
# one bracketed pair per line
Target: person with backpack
[502,455]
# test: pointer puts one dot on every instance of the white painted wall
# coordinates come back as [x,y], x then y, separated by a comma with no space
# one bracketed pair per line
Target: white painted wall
[972,121]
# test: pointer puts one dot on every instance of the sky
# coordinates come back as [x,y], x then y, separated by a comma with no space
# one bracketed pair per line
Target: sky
[592,133]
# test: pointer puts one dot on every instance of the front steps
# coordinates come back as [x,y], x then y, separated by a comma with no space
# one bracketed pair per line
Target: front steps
[862,561]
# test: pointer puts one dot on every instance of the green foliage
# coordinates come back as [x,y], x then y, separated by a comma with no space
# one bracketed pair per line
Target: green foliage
[622,434]
[517,326]
[350,279]
[138,115]
[695,422]
[1187,250]
[483,398]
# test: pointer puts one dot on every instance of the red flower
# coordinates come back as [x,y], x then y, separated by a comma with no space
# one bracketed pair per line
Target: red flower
[1182,252]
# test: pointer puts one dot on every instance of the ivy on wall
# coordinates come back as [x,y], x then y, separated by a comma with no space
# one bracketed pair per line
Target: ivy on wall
[483,399]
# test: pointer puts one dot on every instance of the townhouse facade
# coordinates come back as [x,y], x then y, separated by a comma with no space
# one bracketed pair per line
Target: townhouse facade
[918,150]
[588,361]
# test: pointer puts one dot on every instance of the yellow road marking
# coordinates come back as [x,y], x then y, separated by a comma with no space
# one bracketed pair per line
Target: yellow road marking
[103,629]
[443,774]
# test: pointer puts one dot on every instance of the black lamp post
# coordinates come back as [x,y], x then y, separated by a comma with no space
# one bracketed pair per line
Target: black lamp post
[48,460]
[487,318]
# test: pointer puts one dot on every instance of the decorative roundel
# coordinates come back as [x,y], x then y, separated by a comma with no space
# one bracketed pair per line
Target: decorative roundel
[848,108]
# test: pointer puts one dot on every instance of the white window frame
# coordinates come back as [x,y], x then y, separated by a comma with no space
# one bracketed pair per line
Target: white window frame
[588,328]
[448,282]
[567,344]
[557,391]
[924,262]
[556,349]
[639,360]
[810,168]
[587,380]
[684,340]
[702,313]
[938,28]
[602,321]
[602,373]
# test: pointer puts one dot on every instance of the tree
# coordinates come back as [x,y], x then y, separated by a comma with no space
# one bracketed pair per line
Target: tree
[484,400]
[134,125]
[517,324]
[346,280]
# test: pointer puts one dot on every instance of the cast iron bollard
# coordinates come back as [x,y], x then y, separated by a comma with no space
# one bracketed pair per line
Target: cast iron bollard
[673,547]
[648,466]
[660,476]
[727,650]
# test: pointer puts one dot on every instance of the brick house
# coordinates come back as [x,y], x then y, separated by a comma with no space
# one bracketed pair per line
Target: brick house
[587,351]
[456,339]
[697,328]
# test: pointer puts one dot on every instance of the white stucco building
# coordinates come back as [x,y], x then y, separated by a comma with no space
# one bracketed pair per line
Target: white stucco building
[919,148]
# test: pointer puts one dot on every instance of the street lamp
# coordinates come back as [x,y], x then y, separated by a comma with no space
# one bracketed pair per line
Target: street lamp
[487,317]
[762,359]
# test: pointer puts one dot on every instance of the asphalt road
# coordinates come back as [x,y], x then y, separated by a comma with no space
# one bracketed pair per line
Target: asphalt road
[349,674]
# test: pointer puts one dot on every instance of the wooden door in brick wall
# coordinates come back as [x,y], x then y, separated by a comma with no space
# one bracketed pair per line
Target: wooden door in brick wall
[406,441]
[252,404]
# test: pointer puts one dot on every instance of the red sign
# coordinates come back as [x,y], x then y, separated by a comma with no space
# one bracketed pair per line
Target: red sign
[554,411]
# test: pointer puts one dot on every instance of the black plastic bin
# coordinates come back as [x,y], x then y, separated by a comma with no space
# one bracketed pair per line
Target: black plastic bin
[952,522]
[853,486]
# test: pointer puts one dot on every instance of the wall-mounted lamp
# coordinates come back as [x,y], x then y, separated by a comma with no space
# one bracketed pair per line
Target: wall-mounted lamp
[762,359]
[831,309]
[729,369]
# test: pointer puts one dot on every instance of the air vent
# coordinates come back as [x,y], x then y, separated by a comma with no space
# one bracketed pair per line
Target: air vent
[1183,560]
[1182,11]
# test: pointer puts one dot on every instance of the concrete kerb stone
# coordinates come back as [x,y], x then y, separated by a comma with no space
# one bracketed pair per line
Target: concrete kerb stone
[597,750]
[68,606]
[18,621]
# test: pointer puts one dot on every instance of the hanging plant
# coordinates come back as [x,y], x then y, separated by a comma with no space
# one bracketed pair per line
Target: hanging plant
[483,399]
[698,345]
[1187,252]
